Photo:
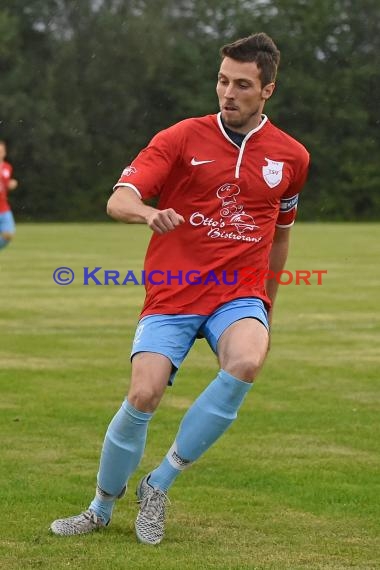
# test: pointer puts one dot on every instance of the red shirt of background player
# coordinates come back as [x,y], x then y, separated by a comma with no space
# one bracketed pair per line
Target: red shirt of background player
[5,176]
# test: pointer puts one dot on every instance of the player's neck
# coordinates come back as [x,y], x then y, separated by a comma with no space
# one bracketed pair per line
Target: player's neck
[243,131]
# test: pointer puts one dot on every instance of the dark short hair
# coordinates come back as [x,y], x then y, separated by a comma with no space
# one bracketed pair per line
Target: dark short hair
[258,48]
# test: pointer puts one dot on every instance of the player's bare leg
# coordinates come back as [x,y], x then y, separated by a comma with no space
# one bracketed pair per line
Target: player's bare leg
[5,239]
[150,375]
[242,349]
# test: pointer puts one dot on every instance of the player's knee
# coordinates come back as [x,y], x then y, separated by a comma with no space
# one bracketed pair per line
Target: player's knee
[245,368]
[7,236]
[144,398]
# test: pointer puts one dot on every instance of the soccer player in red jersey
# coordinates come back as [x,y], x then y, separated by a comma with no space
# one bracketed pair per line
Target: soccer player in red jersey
[227,188]
[7,184]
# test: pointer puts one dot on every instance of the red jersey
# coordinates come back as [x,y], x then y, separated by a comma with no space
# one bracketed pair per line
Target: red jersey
[5,176]
[231,197]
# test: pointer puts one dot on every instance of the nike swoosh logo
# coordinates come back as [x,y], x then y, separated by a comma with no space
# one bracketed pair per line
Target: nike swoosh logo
[195,162]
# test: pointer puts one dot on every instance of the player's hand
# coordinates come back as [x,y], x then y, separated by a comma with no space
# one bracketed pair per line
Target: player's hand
[12,184]
[163,221]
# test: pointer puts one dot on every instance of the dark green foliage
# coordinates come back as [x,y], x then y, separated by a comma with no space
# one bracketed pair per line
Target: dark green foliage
[85,84]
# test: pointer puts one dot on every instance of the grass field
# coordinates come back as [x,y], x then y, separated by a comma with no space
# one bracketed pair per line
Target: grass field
[294,484]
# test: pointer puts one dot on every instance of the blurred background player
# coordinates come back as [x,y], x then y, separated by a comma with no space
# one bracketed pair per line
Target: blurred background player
[7,184]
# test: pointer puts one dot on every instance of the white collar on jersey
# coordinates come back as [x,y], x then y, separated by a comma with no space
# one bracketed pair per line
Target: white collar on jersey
[264,119]
[246,138]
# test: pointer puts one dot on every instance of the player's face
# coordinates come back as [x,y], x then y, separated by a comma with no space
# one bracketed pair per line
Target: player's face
[241,95]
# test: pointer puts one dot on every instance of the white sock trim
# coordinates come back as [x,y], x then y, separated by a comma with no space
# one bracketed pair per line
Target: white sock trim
[175,460]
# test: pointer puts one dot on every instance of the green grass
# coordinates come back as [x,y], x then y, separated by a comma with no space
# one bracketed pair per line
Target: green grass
[294,484]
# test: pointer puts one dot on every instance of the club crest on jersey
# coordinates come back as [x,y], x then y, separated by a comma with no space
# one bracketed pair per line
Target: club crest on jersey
[129,170]
[272,172]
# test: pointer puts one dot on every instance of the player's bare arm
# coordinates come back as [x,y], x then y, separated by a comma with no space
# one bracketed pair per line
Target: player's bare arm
[277,259]
[126,206]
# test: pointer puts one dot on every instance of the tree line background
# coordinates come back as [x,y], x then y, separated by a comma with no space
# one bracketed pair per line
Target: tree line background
[85,84]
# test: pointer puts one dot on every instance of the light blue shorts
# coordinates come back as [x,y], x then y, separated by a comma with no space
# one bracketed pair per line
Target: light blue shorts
[7,222]
[174,335]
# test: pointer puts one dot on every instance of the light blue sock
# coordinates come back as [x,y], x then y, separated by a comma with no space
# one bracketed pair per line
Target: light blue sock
[3,242]
[122,451]
[205,421]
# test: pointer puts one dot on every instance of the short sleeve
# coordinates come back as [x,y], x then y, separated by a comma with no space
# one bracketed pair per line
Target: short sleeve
[289,200]
[150,169]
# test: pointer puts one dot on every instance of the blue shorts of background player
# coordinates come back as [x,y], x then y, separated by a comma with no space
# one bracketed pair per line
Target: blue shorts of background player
[7,228]
[174,335]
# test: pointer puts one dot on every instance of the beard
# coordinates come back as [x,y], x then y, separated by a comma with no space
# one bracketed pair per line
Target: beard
[240,121]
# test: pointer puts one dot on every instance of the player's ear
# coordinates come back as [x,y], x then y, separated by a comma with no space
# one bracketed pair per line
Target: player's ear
[267,90]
